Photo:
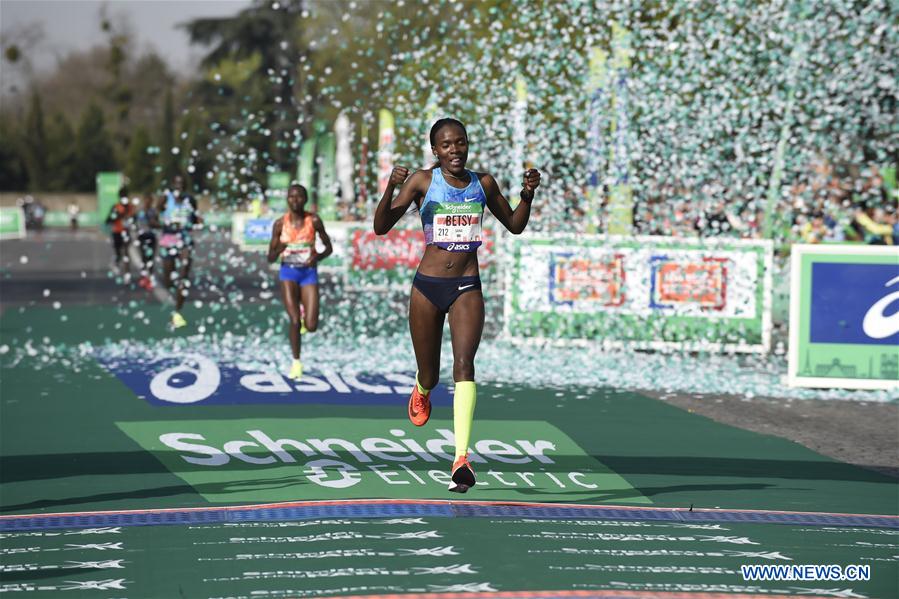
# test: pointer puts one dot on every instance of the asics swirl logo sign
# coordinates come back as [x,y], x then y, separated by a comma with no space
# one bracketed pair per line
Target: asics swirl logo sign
[196,379]
[855,303]
[877,324]
[459,247]
[258,228]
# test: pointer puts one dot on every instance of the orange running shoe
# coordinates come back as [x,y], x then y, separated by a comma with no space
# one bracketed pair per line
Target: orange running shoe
[419,407]
[463,475]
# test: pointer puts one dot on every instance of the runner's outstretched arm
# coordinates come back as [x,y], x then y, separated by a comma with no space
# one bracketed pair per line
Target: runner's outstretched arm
[515,221]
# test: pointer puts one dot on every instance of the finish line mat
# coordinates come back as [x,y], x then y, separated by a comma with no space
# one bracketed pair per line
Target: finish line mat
[442,557]
[192,432]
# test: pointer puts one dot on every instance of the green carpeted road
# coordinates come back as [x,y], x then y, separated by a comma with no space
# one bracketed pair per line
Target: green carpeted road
[87,441]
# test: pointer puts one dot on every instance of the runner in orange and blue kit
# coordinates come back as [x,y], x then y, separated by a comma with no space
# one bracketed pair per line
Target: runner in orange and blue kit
[293,240]
[451,202]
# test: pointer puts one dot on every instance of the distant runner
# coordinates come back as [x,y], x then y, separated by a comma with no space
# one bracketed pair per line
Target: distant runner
[293,240]
[179,216]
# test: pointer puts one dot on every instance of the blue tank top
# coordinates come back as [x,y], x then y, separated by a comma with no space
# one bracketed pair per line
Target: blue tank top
[178,214]
[451,217]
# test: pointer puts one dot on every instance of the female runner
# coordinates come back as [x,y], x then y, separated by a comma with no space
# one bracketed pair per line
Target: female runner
[451,202]
[293,239]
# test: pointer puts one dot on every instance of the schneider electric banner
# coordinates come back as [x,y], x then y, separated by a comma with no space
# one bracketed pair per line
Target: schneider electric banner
[276,458]
[844,317]
[642,292]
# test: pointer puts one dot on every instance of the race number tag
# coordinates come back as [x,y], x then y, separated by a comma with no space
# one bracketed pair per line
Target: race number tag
[170,240]
[297,254]
[457,226]
[179,217]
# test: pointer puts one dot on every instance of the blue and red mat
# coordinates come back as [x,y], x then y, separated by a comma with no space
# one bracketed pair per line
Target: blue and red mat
[441,549]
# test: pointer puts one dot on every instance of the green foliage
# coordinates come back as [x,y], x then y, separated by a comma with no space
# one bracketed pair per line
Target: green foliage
[12,53]
[93,150]
[35,144]
[168,160]
[706,91]
[60,154]
[252,67]
[13,174]
[234,73]
[139,165]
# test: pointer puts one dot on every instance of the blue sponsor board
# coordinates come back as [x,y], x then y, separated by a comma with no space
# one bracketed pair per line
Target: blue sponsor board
[850,303]
[258,231]
[197,380]
[844,317]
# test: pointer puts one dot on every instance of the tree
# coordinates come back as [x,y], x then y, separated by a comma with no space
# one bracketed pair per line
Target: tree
[139,165]
[93,150]
[13,176]
[60,154]
[19,45]
[35,145]
[117,93]
[268,37]
[149,79]
[169,162]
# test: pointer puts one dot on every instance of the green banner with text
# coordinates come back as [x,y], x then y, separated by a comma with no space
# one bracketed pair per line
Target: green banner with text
[263,460]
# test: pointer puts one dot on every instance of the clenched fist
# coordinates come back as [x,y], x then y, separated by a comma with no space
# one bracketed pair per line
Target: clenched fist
[531,180]
[530,183]
[398,176]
